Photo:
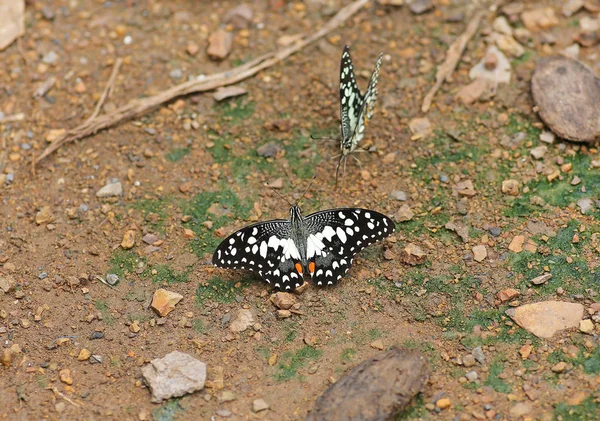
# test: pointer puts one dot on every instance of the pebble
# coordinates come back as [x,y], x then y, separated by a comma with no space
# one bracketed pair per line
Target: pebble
[225,413]
[502,26]
[377,344]
[219,44]
[239,17]
[420,128]
[547,137]
[150,238]
[44,215]
[479,253]
[176,74]
[585,205]
[164,301]
[112,279]
[404,214]
[545,318]
[507,294]
[539,19]
[283,300]
[243,321]
[586,326]
[226,92]
[460,229]
[111,189]
[96,335]
[500,73]
[174,375]
[575,181]
[539,152]
[128,241]
[412,255]
[192,49]
[542,279]
[479,355]
[520,409]
[516,245]
[418,7]
[227,396]
[50,58]
[471,376]
[470,93]
[510,187]
[259,405]
[399,195]
[559,367]
[508,45]
[96,359]
[7,282]
[84,355]
[65,376]
[525,351]
[443,403]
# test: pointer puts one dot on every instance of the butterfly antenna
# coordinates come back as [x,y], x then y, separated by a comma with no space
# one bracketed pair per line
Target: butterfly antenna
[279,194]
[306,191]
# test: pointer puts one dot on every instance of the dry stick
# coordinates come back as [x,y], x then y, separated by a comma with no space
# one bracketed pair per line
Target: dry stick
[107,91]
[229,77]
[453,56]
[62,395]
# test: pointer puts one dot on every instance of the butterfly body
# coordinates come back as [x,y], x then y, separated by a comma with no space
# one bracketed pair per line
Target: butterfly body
[321,245]
[355,109]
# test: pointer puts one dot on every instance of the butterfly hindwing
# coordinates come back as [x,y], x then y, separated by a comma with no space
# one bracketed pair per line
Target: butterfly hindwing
[335,236]
[351,100]
[370,95]
[265,248]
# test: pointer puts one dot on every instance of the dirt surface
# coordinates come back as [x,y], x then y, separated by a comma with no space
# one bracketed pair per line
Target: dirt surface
[191,174]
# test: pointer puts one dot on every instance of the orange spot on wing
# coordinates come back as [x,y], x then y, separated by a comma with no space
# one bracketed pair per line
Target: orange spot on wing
[311,267]
[299,268]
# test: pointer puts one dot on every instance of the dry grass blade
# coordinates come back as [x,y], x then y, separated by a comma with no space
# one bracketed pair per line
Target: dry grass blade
[137,107]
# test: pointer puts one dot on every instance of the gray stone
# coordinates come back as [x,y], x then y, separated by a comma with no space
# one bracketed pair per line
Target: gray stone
[50,58]
[174,375]
[479,355]
[399,195]
[419,7]
[112,278]
[585,204]
[471,376]
[259,405]
[111,189]
[7,283]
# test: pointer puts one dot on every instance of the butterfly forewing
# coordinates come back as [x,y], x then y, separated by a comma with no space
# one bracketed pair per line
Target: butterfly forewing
[351,99]
[335,236]
[371,94]
[265,248]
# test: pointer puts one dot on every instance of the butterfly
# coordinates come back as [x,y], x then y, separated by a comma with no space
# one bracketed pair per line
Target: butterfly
[356,110]
[322,245]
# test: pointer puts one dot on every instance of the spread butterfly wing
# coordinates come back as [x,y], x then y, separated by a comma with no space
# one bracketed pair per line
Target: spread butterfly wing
[351,100]
[265,248]
[335,236]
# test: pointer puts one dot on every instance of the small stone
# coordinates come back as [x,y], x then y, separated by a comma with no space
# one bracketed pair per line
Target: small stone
[185,187]
[418,7]
[542,279]
[468,360]
[585,204]
[243,321]
[539,19]
[412,255]
[559,367]
[164,301]
[192,48]
[520,409]
[545,318]
[510,187]
[508,45]
[399,195]
[239,17]
[539,152]
[507,294]
[404,214]
[464,188]
[84,355]
[502,26]
[420,128]
[572,51]
[547,137]
[272,359]
[516,245]
[44,215]
[283,314]
[389,158]
[225,413]
[377,344]
[443,403]
[471,376]
[188,233]
[259,405]
[174,375]
[111,189]
[7,282]
[135,326]
[128,240]
[477,352]
[575,181]
[277,184]
[501,71]
[525,351]
[150,238]
[470,93]
[219,44]
[283,300]
[479,253]
[461,230]
[65,376]
[227,396]
[586,326]
[50,58]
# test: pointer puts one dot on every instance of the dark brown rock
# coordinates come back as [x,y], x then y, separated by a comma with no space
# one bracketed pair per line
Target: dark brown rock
[377,389]
[567,94]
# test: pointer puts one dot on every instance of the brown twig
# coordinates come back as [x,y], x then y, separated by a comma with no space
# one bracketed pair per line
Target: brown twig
[445,70]
[137,107]
[107,91]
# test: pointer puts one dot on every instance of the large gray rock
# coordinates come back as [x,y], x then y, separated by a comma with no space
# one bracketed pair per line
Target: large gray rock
[176,374]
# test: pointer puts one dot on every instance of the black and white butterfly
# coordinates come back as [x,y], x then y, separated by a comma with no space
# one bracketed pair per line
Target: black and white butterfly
[356,109]
[322,244]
